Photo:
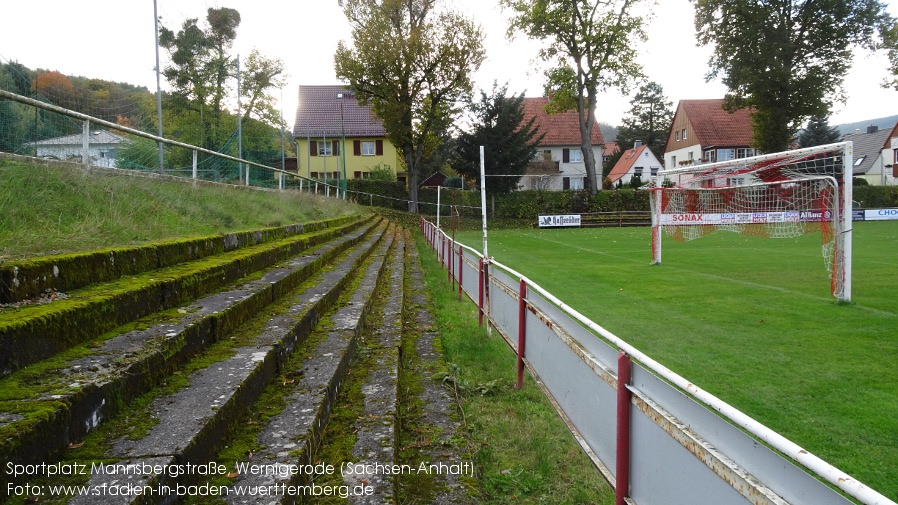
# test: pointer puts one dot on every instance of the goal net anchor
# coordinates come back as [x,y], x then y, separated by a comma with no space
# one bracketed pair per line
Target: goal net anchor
[780,195]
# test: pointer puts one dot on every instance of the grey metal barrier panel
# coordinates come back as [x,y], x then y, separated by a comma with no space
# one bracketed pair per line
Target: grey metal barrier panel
[605,353]
[470,275]
[503,305]
[579,385]
[724,449]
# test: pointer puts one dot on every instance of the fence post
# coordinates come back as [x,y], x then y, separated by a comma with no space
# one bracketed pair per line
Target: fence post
[461,258]
[480,294]
[522,331]
[194,164]
[624,396]
[85,143]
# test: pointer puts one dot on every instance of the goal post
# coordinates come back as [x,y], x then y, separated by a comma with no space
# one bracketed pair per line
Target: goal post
[778,195]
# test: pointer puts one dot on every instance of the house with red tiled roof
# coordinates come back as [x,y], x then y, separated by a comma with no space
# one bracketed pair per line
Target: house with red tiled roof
[336,136]
[702,131]
[559,159]
[639,162]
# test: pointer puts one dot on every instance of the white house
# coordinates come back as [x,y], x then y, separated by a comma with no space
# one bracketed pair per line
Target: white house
[889,175]
[101,147]
[869,156]
[559,161]
[639,162]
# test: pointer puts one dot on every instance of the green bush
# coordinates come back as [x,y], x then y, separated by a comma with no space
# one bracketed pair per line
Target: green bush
[875,197]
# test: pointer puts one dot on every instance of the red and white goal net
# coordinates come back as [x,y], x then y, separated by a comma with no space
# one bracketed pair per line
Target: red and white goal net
[778,195]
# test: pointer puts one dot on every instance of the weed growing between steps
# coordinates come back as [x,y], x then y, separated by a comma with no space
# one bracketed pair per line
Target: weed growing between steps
[523,452]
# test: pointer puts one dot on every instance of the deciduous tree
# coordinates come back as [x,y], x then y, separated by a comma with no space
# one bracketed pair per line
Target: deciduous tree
[593,44]
[412,64]
[785,58]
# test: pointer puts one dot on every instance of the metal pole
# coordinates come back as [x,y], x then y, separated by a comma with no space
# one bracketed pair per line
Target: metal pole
[342,145]
[438,205]
[240,125]
[158,90]
[624,397]
[483,200]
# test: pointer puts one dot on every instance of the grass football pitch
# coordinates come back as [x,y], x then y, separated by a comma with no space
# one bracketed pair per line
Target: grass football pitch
[750,320]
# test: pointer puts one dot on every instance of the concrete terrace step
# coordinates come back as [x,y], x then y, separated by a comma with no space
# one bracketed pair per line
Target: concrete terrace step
[376,430]
[25,279]
[290,439]
[34,332]
[195,422]
[46,407]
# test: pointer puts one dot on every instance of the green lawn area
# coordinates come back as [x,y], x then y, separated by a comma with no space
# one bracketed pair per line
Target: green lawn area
[750,320]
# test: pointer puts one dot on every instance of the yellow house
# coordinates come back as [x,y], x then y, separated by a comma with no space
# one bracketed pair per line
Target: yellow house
[336,137]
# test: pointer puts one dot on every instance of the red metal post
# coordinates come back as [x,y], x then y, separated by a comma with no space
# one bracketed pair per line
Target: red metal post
[461,258]
[480,294]
[522,331]
[624,396]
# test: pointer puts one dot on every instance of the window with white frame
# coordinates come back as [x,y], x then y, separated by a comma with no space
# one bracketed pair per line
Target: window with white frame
[576,156]
[576,182]
[367,148]
[745,152]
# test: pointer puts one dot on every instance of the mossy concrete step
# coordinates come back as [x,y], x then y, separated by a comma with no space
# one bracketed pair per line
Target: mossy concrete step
[48,406]
[445,474]
[27,279]
[375,451]
[195,422]
[290,440]
[36,332]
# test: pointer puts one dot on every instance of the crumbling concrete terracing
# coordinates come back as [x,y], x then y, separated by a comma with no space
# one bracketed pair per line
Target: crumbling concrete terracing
[86,390]
[290,439]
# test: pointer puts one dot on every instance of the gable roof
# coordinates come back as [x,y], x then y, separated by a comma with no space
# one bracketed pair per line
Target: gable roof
[96,137]
[894,134]
[626,162]
[610,148]
[321,112]
[561,129]
[867,148]
[713,126]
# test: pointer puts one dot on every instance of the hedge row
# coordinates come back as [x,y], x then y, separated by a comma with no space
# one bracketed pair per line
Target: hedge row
[517,205]
[531,203]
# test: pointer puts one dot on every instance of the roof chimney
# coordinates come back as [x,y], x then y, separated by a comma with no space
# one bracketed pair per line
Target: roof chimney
[872,129]
[637,144]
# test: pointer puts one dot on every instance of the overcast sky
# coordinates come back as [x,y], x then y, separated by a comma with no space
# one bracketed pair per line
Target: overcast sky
[114,40]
